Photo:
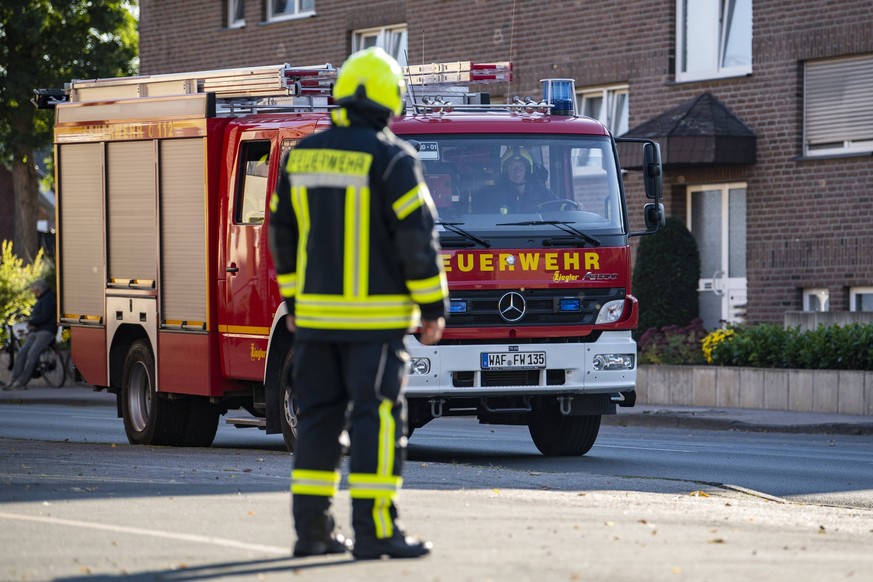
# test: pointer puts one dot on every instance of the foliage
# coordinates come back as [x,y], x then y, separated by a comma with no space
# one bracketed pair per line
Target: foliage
[16,278]
[712,339]
[666,276]
[672,345]
[44,44]
[848,347]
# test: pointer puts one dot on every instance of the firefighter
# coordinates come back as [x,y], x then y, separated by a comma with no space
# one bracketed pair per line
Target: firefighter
[356,253]
[518,188]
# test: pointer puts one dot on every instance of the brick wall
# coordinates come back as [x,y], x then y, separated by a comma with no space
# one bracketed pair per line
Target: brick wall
[807,219]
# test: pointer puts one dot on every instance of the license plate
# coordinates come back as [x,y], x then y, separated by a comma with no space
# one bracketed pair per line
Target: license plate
[513,360]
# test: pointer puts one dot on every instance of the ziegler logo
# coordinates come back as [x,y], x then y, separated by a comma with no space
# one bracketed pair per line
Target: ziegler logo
[258,354]
[589,276]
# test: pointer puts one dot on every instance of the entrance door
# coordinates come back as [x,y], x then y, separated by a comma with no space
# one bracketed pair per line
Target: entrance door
[717,219]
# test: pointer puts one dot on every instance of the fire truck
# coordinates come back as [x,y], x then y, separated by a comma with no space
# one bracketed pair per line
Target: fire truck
[168,290]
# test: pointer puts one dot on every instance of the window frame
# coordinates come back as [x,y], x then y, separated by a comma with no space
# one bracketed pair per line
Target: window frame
[822,294]
[383,36]
[844,103]
[297,12]
[853,297]
[243,193]
[718,32]
[232,21]
[607,94]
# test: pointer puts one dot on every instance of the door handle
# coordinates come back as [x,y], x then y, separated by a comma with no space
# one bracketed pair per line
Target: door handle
[232,268]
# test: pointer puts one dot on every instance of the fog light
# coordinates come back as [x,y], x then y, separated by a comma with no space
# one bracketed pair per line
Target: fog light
[419,366]
[608,362]
[570,304]
[611,312]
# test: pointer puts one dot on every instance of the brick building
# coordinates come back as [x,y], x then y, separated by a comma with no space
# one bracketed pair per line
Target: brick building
[764,109]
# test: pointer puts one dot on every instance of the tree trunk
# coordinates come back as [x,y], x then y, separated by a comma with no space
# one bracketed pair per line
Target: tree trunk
[25,186]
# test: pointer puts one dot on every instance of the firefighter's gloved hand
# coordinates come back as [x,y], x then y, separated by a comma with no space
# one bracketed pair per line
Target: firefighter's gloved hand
[432,330]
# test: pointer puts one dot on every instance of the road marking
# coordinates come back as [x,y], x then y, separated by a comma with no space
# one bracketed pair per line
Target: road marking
[148,532]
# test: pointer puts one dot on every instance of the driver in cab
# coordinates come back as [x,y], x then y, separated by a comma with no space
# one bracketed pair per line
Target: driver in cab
[516,189]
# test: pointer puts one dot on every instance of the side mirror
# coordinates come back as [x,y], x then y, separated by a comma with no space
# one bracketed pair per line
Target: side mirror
[653,214]
[652,170]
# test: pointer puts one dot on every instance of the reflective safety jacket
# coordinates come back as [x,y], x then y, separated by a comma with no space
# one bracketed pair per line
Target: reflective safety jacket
[352,235]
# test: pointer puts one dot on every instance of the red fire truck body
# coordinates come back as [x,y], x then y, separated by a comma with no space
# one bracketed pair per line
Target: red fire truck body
[167,286]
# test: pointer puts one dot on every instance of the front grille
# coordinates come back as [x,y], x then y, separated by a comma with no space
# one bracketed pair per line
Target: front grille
[542,307]
[509,378]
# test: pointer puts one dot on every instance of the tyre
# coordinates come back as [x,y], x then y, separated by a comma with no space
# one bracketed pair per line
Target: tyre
[557,435]
[288,408]
[201,423]
[51,367]
[149,419]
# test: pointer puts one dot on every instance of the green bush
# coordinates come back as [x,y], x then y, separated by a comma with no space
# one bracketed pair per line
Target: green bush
[16,278]
[666,276]
[847,347]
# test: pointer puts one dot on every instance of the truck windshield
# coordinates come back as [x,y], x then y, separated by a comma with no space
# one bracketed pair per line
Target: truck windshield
[486,181]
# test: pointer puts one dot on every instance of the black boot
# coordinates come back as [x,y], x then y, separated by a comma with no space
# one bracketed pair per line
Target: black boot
[398,546]
[320,538]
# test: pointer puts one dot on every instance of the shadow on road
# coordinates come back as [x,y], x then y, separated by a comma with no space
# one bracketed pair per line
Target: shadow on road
[287,565]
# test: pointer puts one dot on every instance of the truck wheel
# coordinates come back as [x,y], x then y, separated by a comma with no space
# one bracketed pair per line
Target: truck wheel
[201,424]
[557,435]
[148,418]
[288,408]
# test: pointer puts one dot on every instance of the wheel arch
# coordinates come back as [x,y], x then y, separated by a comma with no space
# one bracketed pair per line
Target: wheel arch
[124,337]
[278,346]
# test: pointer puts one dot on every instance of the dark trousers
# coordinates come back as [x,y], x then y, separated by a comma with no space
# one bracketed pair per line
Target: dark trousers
[354,384]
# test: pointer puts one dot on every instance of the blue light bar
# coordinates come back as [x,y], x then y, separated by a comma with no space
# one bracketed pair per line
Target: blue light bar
[561,93]
[458,306]
[570,304]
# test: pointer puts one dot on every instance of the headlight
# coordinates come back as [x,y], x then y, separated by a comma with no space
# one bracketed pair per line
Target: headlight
[611,312]
[606,362]
[418,366]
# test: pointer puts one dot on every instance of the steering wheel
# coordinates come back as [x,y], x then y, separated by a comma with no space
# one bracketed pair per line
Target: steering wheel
[560,205]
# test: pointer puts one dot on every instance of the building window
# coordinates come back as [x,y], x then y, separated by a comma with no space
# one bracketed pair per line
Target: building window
[236,13]
[861,299]
[838,110]
[713,39]
[816,299]
[285,9]
[608,105]
[391,38]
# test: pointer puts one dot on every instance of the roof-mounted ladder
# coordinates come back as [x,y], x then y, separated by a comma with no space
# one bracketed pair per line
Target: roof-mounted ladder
[236,91]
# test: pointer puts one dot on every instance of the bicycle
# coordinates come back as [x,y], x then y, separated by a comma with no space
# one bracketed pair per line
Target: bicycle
[50,366]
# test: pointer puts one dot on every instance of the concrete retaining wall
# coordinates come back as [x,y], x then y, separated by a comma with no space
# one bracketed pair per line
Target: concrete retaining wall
[830,391]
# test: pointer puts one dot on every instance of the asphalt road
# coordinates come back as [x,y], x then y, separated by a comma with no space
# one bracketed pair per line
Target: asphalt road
[822,469]
[78,503]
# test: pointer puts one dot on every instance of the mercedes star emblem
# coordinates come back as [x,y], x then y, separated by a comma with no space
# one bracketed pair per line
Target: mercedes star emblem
[512,307]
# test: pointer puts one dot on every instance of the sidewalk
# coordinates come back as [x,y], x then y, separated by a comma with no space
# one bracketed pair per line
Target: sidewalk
[742,419]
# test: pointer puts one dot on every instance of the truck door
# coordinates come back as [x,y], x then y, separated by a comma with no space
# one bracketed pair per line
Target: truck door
[243,313]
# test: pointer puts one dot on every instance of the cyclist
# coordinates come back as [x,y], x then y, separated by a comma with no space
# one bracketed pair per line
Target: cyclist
[43,328]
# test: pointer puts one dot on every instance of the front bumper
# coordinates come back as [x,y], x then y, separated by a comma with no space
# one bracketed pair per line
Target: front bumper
[455,371]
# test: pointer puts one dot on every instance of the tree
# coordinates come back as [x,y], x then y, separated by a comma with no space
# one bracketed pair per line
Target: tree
[46,43]
[666,275]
